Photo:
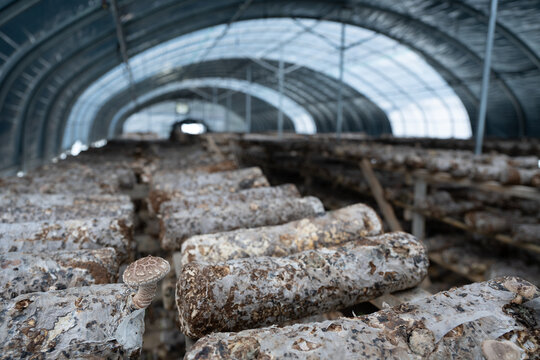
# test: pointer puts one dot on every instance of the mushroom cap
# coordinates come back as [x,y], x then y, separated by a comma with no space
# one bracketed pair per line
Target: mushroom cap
[147,270]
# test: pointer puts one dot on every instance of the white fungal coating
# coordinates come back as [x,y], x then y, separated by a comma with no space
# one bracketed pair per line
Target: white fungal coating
[87,322]
[68,235]
[171,185]
[176,205]
[253,292]
[476,321]
[24,273]
[236,214]
[331,229]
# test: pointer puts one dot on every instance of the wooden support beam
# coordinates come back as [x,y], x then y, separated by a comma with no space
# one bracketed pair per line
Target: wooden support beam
[419,221]
[378,194]
[214,148]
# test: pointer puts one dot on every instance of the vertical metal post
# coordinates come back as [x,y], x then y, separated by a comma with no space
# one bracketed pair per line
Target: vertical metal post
[215,113]
[280,84]
[214,95]
[227,114]
[339,124]
[248,102]
[485,79]
[418,221]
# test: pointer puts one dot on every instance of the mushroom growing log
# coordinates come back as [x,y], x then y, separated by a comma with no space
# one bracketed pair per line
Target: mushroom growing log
[24,273]
[46,207]
[477,321]
[486,222]
[247,293]
[95,233]
[72,178]
[233,215]
[529,233]
[333,228]
[176,205]
[172,185]
[96,321]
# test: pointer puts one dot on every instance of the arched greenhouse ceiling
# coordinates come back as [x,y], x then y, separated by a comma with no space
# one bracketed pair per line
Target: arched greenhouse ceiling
[265,112]
[313,91]
[51,51]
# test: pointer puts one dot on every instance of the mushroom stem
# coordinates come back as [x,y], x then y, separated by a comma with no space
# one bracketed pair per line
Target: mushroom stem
[145,295]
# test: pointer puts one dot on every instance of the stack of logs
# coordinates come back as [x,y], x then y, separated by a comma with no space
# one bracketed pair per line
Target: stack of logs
[65,230]
[260,271]
[492,200]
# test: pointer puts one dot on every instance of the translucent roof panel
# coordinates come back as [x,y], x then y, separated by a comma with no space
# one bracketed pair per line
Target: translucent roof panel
[303,122]
[416,99]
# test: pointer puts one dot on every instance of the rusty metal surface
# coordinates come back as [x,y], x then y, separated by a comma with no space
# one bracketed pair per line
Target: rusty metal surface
[254,292]
[234,215]
[333,228]
[34,237]
[48,207]
[175,184]
[455,324]
[23,273]
[207,201]
[87,322]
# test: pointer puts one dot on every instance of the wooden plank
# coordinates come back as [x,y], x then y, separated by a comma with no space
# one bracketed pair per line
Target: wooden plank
[378,194]
[214,148]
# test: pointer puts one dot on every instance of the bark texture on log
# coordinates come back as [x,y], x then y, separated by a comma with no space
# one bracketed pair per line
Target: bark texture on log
[333,228]
[24,273]
[486,222]
[206,202]
[95,321]
[501,168]
[68,235]
[174,185]
[441,203]
[72,178]
[46,207]
[526,233]
[199,170]
[248,293]
[236,214]
[456,324]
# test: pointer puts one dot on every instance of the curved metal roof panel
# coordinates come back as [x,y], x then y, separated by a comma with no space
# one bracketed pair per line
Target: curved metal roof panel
[51,51]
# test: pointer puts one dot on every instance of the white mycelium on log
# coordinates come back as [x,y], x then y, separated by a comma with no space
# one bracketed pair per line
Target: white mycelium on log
[333,228]
[497,319]
[172,185]
[97,321]
[95,233]
[37,272]
[253,292]
[234,215]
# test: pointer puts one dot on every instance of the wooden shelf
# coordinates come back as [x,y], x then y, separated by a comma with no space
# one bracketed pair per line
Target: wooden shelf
[521,191]
[461,225]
